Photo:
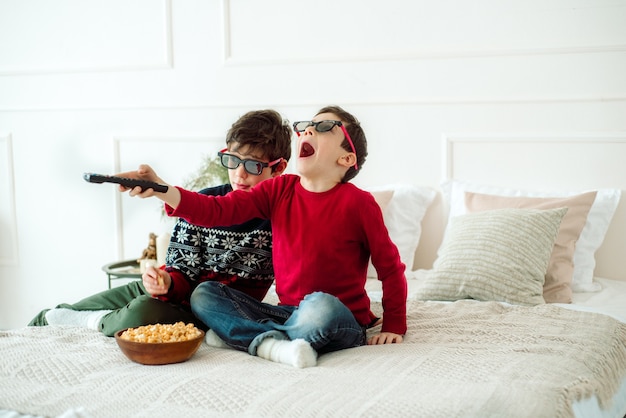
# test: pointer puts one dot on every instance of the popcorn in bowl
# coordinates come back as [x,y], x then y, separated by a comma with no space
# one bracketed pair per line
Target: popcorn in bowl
[162,333]
[160,343]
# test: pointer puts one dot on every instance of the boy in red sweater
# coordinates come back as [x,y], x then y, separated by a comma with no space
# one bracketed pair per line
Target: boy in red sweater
[324,231]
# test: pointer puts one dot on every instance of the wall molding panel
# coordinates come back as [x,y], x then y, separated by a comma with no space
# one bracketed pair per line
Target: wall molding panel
[248,40]
[8,218]
[106,37]
[532,152]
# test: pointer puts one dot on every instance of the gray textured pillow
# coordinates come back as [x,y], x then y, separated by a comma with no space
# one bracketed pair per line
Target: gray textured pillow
[499,255]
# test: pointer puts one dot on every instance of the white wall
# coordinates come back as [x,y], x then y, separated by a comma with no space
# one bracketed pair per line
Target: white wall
[104,86]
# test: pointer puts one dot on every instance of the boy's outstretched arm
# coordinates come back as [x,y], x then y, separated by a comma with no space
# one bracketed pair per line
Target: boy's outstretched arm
[145,172]
[385,338]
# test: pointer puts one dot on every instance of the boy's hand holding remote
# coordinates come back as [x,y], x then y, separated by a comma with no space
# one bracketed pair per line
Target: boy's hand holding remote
[145,172]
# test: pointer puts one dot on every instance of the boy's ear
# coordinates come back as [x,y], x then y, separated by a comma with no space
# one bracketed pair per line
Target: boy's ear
[279,168]
[348,160]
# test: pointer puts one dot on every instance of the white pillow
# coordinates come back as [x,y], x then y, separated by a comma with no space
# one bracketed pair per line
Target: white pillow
[590,239]
[403,216]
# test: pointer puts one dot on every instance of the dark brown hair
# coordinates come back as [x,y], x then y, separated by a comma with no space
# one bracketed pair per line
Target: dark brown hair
[263,131]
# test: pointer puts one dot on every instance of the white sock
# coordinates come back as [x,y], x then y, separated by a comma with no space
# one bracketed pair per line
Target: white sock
[297,353]
[86,319]
[213,340]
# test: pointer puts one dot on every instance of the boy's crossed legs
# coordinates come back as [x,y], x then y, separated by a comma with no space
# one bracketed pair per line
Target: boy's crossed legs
[285,334]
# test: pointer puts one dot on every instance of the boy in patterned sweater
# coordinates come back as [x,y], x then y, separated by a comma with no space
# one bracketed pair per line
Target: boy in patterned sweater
[258,147]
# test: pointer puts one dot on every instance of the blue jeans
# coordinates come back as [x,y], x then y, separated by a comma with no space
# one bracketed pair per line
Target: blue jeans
[243,322]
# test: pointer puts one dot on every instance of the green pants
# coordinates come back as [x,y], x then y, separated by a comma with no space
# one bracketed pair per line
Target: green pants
[130,307]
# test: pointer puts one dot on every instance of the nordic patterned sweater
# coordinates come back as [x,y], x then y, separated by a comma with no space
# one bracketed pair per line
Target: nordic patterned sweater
[239,256]
[321,242]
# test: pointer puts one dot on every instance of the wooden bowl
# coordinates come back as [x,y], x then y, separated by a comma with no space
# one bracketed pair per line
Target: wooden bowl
[158,353]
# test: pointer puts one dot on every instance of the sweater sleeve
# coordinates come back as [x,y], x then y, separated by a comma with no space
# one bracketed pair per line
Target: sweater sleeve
[180,289]
[390,269]
[234,208]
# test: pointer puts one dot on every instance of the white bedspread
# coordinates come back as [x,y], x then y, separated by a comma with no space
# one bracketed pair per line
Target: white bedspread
[462,359]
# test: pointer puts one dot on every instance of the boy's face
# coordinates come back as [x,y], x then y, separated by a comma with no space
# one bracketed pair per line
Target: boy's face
[239,178]
[320,153]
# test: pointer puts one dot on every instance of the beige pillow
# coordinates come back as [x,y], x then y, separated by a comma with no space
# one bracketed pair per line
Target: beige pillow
[557,286]
[497,255]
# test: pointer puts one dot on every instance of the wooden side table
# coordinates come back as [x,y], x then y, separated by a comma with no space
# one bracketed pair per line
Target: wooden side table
[128,269]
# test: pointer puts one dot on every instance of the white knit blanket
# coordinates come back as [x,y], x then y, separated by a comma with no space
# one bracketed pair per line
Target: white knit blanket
[463,359]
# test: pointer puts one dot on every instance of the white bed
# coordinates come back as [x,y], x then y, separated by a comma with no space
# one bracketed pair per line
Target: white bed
[72,372]
[460,358]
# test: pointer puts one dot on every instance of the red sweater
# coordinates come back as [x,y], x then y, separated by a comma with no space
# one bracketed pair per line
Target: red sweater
[321,242]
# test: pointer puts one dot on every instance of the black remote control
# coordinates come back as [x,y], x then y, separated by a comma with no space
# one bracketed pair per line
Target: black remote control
[124,181]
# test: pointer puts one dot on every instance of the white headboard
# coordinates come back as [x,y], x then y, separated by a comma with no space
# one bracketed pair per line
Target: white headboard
[545,162]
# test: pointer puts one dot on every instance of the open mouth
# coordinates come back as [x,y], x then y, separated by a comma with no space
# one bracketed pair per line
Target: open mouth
[306,150]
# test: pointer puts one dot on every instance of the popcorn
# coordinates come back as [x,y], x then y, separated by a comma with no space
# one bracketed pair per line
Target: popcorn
[162,333]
